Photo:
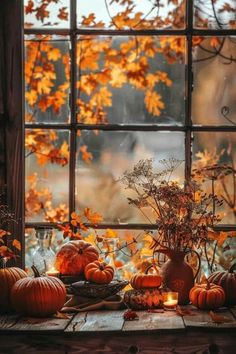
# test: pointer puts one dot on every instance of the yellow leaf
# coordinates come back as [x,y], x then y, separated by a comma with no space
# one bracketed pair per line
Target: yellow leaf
[31,97]
[54,54]
[91,238]
[153,103]
[16,243]
[110,233]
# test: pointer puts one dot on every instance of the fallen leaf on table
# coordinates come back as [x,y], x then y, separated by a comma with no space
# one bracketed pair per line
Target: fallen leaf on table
[183,312]
[218,318]
[61,315]
[130,315]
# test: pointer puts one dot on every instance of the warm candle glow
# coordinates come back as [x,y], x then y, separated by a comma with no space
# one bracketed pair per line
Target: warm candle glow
[170,300]
[53,272]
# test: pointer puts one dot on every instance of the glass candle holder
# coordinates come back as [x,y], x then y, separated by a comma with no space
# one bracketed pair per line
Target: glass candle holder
[52,272]
[170,300]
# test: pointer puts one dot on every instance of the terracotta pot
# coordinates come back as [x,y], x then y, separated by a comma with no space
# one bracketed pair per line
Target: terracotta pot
[178,275]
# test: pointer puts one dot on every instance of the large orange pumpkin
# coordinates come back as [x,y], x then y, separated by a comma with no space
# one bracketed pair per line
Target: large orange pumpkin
[38,296]
[228,282]
[74,256]
[8,277]
[99,272]
[207,296]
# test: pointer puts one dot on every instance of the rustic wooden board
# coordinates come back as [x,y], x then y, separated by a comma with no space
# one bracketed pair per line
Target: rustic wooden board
[98,321]
[202,319]
[233,310]
[40,324]
[7,321]
[77,322]
[155,321]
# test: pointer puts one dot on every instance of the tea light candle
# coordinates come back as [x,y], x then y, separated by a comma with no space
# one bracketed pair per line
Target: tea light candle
[170,300]
[52,273]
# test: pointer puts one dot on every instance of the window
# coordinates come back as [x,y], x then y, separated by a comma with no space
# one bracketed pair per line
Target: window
[110,82]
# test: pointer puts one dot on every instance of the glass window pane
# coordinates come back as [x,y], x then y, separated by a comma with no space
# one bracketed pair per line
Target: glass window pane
[47,13]
[47,79]
[131,80]
[214,156]
[217,14]
[131,14]
[104,156]
[47,175]
[214,94]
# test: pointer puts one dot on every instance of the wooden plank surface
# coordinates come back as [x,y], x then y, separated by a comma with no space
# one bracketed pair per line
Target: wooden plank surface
[98,321]
[194,342]
[202,319]
[40,324]
[77,322]
[7,321]
[233,310]
[155,321]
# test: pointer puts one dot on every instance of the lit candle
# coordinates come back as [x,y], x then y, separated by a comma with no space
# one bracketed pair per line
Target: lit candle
[53,272]
[170,300]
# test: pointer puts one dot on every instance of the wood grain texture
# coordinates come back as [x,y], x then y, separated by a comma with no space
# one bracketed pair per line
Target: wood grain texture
[233,311]
[100,321]
[76,323]
[202,319]
[31,324]
[193,342]
[155,321]
[7,321]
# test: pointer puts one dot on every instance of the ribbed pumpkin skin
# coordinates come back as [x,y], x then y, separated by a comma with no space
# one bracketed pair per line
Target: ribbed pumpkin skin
[40,296]
[207,296]
[74,256]
[142,281]
[99,272]
[8,277]
[228,282]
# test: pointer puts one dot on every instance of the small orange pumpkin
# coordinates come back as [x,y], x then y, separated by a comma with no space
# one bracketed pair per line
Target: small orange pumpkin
[38,296]
[143,281]
[74,256]
[99,272]
[8,277]
[207,296]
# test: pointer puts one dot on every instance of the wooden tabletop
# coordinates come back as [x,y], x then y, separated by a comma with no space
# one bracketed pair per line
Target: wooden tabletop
[113,321]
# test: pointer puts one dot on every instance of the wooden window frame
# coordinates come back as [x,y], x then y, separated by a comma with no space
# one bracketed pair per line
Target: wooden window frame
[15,126]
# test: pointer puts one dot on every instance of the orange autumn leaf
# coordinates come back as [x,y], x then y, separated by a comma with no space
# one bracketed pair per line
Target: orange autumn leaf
[63,14]
[86,156]
[216,318]
[215,41]
[54,54]
[16,243]
[93,217]
[153,103]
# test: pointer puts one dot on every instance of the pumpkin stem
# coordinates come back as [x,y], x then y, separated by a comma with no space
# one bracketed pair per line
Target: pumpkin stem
[80,251]
[208,285]
[36,272]
[232,268]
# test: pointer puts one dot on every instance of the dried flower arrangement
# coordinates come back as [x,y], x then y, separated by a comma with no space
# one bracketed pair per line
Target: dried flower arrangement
[183,213]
